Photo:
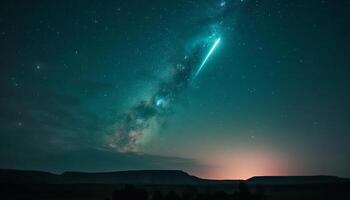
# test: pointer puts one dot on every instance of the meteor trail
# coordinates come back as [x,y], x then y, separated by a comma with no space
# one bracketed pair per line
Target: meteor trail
[206,58]
[142,121]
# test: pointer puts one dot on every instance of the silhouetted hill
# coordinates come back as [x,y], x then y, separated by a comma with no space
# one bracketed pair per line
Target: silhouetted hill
[296,180]
[23,176]
[134,177]
[165,177]
[120,177]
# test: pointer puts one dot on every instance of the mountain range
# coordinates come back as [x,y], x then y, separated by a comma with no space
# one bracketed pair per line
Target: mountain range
[10,176]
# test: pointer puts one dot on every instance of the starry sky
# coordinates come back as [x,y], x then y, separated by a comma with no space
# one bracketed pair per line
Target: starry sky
[95,85]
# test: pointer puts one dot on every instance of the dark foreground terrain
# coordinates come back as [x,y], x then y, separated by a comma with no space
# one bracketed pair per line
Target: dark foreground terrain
[165,185]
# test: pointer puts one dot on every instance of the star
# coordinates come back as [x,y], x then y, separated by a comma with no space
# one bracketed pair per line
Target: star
[222,3]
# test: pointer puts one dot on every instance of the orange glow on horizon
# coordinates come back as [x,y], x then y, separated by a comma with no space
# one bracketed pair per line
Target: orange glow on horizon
[247,164]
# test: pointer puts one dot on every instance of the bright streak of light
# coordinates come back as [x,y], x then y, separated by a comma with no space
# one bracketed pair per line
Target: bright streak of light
[208,55]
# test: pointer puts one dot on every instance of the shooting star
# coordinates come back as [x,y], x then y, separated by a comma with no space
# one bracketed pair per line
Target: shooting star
[142,121]
[217,41]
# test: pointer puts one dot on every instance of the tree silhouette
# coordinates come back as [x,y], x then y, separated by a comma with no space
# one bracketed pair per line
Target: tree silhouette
[260,193]
[243,192]
[157,195]
[172,196]
[129,192]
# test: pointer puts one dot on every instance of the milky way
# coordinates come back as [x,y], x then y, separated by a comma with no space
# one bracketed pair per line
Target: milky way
[145,118]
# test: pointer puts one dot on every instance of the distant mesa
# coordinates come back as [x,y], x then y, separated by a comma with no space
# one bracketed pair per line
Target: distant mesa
[9,176]
[292,180]
[134,177]
[119,177]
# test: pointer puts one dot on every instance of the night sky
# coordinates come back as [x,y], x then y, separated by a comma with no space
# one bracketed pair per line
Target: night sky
[94,85]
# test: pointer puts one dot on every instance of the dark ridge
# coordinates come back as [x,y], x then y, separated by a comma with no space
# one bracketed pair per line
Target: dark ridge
[12,176]
[118,177]
[165,177]
[319,179]
[134,177]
